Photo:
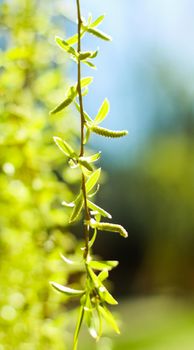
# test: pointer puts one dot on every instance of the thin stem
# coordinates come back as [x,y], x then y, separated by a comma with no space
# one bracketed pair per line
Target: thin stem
[79,78]
[87,213]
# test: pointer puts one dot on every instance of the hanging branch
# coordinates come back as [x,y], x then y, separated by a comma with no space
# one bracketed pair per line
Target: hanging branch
[95,296]
[87,213]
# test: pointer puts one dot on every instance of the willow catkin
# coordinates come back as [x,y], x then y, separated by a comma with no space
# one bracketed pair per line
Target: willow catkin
[104,226]
[108,133]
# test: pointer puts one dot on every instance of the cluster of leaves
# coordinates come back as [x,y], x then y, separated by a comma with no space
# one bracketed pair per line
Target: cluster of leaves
[94,296]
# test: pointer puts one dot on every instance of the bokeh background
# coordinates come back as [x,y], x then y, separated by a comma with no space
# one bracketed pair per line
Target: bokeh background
[148,184]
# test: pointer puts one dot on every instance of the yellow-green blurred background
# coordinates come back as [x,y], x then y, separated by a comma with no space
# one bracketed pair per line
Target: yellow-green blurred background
[148,185]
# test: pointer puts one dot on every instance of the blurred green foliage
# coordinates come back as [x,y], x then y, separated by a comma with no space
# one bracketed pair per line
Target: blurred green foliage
[33,225]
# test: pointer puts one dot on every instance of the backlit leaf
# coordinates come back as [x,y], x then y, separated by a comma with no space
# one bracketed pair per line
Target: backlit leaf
[64,146]
[103,111]
[66,290]
[103,292]
[98,33]
[109,318]
[97,283]
[90,64]
[88,311]
[87,54]
[87,136]
[94,193]
[86,81]
[93,179]
[77,208]
[74,39]
[98,209]
[62,105]
[83,161]
[84,55]
[101,265]
[93,158]
[103,275]
[106,296]
[65,46]
[71,94]
[97,21]
[91,242]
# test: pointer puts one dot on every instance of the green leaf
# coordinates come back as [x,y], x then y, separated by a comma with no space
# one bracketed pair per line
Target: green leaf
[98,217]
[62,105]
[93,179]
[94,54]
[98,33]
[96,282]
[78,326]
[88,54]
[77,208]
[97,21]
[94,327]
[83,162]
[94,193]
[109,318]
[100,321]
[86,81]
[74,39]
[90,64]
[103,111]
[103,275]
[84,55]
[99,210]
[87,136]
[108,133]
[71,94]
[101,265]
[90,318]
[91,242]
[88,311]
[66,290]
[64,146]
[89,20]
[106,296]
[93,158]
[103,292]
[65,46]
